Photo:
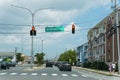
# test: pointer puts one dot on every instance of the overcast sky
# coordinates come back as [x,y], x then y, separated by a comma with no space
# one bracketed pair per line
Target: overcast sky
[83,13]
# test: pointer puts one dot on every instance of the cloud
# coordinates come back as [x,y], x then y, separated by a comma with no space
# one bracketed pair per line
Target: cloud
[60,12]
[11,39]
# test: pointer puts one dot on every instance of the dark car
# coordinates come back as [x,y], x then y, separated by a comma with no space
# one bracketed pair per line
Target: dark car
[49,64]
[11,64]
[65,66]
[4,65]
[78,64]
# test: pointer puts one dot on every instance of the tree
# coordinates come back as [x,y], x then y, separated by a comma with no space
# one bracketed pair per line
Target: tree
[69,55]
[19,57]
[40,58]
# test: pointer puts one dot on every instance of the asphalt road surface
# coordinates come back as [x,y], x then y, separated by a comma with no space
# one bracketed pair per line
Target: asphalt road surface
[23,73]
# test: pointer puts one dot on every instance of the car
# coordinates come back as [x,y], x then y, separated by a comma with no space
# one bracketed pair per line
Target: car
[4,65]
[49,64]
[65,66]
[11,64]
[78,64]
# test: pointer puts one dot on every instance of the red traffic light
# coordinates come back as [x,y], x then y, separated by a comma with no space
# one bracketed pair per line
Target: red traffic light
[73,28]
[33,28]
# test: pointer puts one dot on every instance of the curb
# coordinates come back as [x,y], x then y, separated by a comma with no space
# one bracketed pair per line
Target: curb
[98,71]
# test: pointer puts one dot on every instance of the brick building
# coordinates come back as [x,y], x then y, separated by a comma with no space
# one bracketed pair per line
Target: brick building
[101,44]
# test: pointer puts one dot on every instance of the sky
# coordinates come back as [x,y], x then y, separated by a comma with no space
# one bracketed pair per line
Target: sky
[15,24]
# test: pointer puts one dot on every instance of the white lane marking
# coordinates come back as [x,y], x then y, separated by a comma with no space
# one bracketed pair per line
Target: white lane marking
[64,75]
[13,73]
[23,74]
[44,74]
[54,74]
[83,75]
[74,75]
[34,74]
[3,73]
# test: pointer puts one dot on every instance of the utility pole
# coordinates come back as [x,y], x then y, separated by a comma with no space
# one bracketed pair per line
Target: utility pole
[42,46]
[117,24]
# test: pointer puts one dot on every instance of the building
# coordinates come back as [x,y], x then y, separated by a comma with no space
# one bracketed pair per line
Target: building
[102,45]
[82,53]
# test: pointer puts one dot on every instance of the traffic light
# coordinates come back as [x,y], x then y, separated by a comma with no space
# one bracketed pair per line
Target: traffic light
[33,31]
[73,29]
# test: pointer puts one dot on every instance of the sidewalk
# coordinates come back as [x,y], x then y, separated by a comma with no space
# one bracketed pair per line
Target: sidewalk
[107,73]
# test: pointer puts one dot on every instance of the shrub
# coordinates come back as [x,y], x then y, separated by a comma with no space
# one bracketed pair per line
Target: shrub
[96,65]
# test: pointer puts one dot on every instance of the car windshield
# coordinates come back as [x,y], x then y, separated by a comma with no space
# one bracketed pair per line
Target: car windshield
[59,39]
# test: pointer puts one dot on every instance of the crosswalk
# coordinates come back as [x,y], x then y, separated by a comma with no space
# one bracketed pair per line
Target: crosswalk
[40,74]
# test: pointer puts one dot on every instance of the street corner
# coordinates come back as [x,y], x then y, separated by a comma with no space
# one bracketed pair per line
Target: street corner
[34,68]
[107,73]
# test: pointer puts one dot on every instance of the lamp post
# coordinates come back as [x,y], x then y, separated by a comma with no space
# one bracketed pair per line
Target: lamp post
[115,7]
[33,14]
[42,46]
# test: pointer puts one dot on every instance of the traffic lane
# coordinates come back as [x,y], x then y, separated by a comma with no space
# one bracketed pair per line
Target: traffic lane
[15,69]
[44,77]
[45,74]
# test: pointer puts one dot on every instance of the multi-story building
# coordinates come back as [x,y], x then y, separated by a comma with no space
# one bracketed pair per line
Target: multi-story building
[82,53]
[101,44]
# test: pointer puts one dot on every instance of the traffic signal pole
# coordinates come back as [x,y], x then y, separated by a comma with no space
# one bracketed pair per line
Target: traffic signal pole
[32,55]
[33,33]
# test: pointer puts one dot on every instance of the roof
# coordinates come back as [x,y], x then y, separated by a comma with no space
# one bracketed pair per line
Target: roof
[6,54]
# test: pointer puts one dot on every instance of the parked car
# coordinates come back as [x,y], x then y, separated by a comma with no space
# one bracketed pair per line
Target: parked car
[78,64]
[49,64]
[58,63]
[11,64]
[65,66]
[4,65]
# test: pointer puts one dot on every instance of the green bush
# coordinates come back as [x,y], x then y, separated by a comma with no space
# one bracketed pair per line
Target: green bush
[96,65]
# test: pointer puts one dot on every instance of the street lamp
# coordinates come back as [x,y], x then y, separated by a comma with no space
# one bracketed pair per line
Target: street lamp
[115,7]
[33,14]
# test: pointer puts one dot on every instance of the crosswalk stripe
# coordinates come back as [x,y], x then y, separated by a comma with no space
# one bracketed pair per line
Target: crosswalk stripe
[54,74]
[64,75]
[44,74]
[74,75]
[13,73]
[34,74]
[83,75]
[3,73]
[23,74]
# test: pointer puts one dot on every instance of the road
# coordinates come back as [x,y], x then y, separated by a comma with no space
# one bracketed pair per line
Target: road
[22,72]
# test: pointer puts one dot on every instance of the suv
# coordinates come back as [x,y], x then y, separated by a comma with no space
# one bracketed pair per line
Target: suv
[65,66]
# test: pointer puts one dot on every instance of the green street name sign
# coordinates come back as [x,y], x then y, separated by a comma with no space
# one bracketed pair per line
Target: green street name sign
[54,29]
